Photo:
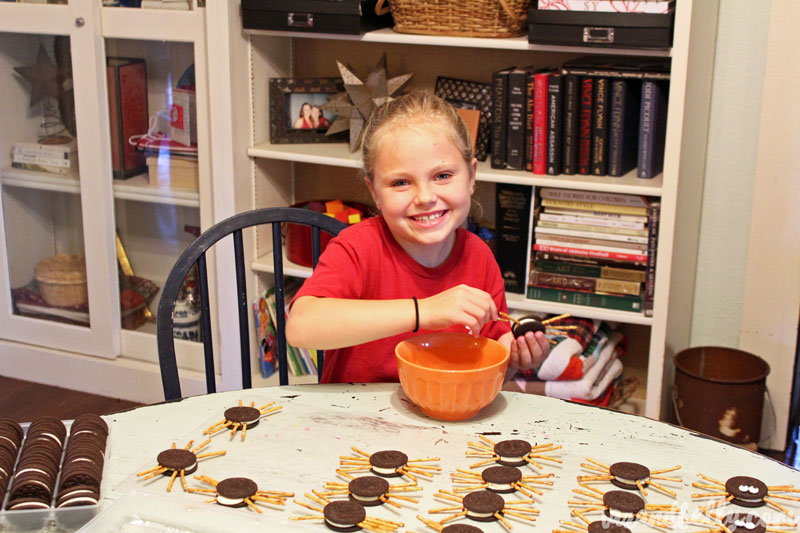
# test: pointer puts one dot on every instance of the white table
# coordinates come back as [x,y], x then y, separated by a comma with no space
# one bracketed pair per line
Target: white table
[298,448]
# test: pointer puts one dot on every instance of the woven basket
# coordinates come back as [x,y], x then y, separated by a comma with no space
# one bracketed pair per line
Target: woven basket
[62,280]
[461,18]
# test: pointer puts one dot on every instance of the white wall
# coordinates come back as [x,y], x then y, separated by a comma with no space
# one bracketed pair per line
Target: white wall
[730,170]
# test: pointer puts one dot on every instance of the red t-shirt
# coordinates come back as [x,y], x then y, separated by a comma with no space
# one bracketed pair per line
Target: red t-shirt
[365,262]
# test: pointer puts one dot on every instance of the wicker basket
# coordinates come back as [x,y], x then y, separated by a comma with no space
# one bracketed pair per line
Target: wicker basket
[461,18]
[62,280]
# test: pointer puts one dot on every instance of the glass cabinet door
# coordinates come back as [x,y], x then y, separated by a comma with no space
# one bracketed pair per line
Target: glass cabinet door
[54,248]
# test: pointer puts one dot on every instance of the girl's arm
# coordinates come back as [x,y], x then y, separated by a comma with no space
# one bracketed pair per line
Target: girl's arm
[329,323]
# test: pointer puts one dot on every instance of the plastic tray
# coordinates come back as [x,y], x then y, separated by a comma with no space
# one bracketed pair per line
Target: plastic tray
[65,519]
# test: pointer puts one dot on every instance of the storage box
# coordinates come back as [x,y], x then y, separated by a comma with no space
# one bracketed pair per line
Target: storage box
[173,172]
[127,106]
[316,16]
[601,29]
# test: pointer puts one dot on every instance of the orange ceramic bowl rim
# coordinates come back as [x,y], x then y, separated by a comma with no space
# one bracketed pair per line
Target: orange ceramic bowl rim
[502,361]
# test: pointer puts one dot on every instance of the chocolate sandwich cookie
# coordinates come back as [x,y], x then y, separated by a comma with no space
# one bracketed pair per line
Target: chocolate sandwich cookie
[175,459]
[243,415]
[526,324]
[91,422]
[501,478]
[32,485]
[367,490]
[747,491]
[387,462]
[623,506]
[600,526]
[512,452]
[461,528]
[232,491]
[78,495]
[482,505]
[744,523]
[344,515]
[22,504]
[627,474]
[11,432]
[80,475]
[48,426]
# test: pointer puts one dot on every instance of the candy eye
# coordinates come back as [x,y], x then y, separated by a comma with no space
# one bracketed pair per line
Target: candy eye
[739,523]
[753,490]
[750,525]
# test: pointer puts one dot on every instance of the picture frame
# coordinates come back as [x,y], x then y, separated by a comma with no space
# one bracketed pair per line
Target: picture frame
[466,94]
[291,103]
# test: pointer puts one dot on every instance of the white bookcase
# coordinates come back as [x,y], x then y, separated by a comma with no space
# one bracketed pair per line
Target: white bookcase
[283,174]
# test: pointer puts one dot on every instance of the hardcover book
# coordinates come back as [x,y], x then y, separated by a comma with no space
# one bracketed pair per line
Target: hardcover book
[618,67]
[606,301]
[512,211]
[585,260]
[652,128]
[585,126]
[594,196]
[585,283]
[654,213]
[541,80]
[594,271]
[623,132]
[572,95]
[499,116]
[515,127]
[530,97]
[127,104]
[555,122]
[600,126]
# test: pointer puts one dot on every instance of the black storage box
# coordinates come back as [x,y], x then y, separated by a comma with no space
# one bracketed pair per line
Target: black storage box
[315,16]
[601,29]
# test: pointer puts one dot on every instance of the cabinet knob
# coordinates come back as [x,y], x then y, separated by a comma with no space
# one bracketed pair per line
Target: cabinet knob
[79,22]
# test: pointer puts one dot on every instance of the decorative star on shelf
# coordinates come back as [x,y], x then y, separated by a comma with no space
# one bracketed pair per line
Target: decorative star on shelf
[361,98]
[43,77]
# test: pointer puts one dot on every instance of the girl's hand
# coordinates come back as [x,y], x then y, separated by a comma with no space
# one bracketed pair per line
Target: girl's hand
[529,351]
[462,305]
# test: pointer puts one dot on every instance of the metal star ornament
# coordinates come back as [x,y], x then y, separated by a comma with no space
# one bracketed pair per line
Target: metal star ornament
[361,98]
[43,77]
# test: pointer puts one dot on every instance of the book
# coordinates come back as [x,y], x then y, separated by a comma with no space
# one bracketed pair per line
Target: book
[541,80]
[585,126]
[555,122]
[590,252]
[606,301]
[512,212]
[515,126]
[586,260]
[594,196]
[595,206]
[571,112]
[265,337]
[623,127]
[583,242]
[47,149]
[570,232]
[128,110]
[638,67]
[652,129]
[530,91]
[603,215]
[544,222]
[654,212]
[600,109]
[62,162]
[594,271]
[499,116]
[585,283]
[41,168]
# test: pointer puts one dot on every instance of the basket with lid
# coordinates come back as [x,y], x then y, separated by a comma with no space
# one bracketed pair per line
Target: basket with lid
[62,279]
[461,18]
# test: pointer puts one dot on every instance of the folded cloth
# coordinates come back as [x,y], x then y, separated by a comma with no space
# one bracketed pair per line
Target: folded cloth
[563,362]
[598,379]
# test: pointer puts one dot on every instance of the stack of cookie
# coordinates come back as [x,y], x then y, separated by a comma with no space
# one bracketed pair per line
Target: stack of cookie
[37,470]
[82,470]
[10,441]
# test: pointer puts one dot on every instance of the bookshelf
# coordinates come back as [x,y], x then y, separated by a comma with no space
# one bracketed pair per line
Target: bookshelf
[287,174]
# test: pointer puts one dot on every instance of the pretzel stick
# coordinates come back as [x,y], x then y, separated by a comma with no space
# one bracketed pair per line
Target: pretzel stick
[148,471]
[559,317]
[172,480]
[252,506]
[509,318]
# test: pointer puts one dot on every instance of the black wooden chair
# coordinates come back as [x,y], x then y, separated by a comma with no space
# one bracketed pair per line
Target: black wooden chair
[196,254]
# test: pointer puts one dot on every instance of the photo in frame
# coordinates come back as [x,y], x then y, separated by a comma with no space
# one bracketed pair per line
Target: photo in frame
[294,110]
[465,94]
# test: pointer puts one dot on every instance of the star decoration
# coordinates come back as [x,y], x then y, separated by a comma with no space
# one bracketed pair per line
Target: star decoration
[43,77]
[361,98]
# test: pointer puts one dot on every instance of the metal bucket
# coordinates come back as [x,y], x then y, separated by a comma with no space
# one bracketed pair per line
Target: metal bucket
[720,392]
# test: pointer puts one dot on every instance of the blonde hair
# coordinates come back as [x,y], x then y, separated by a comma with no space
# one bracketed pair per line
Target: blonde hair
[420,111]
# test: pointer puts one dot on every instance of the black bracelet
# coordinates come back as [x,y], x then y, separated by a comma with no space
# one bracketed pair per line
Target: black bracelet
[416,312]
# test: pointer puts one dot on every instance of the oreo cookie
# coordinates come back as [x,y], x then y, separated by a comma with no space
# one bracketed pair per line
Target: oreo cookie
[599,526]
[526,324]
[501,478]
[232,491]
[367,490]
[176,459]
[243,415]
[623,506]
[512,452]
[344,515]
[461,528]
[386,463]
[747,491]
[78,495]
[627,474]
[744,523]
[482,505]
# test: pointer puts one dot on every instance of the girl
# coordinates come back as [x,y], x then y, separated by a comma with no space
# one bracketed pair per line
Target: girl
[414,267]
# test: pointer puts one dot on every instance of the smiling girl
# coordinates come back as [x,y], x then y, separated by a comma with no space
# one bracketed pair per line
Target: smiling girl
[413,268]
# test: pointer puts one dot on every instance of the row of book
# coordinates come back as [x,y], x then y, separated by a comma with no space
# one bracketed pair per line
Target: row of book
[58,155]
[595,249]
[593,115]
[302,362]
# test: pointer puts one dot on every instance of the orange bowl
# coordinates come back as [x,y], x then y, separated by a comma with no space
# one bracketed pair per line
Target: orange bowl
[451,376]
